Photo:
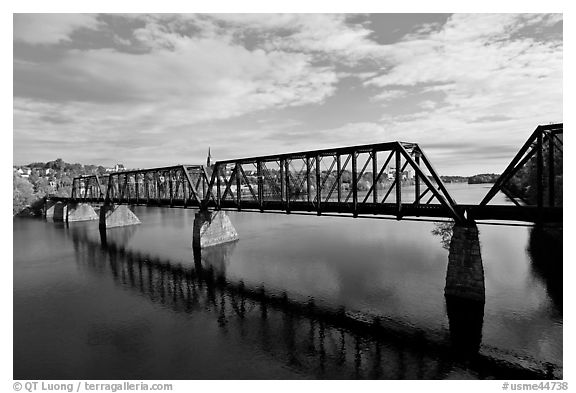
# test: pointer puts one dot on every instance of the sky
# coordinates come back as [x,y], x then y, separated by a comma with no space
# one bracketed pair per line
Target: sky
[159,89]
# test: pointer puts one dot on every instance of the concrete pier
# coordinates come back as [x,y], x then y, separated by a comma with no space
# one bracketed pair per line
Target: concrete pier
[464,291]
[56,211]
[117,216]
[212,228]
[80,212]
[465,274]
[49,209]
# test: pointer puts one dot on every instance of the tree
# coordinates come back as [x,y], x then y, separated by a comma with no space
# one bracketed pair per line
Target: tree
[60,164]
[23,194]
[66,181]
[42,187]
[33,178]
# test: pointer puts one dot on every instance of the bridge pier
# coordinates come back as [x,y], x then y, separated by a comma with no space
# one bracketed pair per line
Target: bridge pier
[49,208]
[212,228]
[465,274]
[465,292]
[56,211]
[80,212]
[112,216]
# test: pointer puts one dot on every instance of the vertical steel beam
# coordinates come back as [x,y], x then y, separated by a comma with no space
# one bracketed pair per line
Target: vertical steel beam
[318,189]
[260,185]
[218,184]
[374,176]
[170,174]
[238,186]
[287,181]
[339,177]
[308,183]
[539,172]
[108,190]
[417,181]
[184,190]
[126,189]
[137,185]
[354,184]
[157,186]
[551,175]
[398,185]
[147,187]
[204,185]
[281,181]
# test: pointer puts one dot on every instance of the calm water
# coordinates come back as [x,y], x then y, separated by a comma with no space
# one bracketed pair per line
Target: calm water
[138,304]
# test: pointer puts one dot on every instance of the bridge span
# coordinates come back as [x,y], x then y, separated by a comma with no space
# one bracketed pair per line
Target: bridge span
[367,180]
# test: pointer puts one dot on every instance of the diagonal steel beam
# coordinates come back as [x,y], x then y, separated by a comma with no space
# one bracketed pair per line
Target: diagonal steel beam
[378,177]
[248,183]
[338,180]
[228,185]
[500,181]
[452,208]
[191,184]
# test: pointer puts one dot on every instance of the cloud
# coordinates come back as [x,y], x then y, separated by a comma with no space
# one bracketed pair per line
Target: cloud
[389,95]
[495,85]
[133,84]
[159,94]
[50,28]
[198,78]
[329,36]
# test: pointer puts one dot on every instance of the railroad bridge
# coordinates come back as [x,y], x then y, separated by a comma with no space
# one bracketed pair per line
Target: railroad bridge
[366,180]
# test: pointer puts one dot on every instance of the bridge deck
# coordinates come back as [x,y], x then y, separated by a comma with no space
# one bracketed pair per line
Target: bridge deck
[472,212]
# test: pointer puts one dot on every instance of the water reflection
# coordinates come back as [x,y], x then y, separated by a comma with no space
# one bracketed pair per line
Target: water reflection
[327,342]
[546,255]
[444,231]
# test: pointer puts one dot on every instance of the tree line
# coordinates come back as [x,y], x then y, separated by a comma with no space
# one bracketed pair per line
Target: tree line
[46,178]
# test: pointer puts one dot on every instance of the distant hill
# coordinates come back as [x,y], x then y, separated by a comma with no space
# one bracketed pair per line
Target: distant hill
[483,178]
[454,179]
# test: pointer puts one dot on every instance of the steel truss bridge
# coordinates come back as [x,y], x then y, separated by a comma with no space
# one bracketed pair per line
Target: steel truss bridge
[355,180]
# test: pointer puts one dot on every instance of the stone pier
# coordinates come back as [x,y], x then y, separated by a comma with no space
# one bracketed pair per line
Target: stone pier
[464,291]
[212,228]
[56,211]
[465,275]
[80,212]
[112,216]
[49,209]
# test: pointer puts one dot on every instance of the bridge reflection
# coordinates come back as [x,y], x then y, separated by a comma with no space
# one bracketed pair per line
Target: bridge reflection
[305,335]
[546,252]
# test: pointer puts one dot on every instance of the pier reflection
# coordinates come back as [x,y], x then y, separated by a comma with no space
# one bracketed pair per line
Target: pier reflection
[546,254]
[327,342]
[465,291]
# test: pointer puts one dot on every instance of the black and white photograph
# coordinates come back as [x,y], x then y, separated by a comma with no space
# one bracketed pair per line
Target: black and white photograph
[287,196]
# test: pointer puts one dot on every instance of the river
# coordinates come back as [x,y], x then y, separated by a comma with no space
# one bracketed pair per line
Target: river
[135,305]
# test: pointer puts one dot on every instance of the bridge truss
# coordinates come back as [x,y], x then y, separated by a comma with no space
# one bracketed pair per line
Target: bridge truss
[534,176]
[180,185]
[355,180]
[366,179]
